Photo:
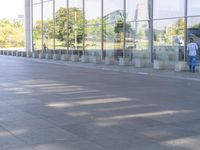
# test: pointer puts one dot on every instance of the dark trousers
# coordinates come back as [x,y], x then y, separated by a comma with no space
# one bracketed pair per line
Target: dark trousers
[192,63]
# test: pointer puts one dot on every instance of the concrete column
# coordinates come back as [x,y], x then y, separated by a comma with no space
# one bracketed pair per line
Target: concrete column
[28,25]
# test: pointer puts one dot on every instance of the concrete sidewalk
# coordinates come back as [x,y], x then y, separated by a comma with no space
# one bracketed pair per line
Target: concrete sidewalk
[122,69]
[55,105]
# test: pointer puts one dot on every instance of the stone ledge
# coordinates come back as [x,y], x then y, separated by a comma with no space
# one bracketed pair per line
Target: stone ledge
[18,53]
[142,63]
[42,56]
[109,61]
[158,64]
[23,54]
[56,56]
[75,58]
[29,54]
[35,55]
[14,53]
[124,62]
[65,57]
[48,56]
[85,59]
[96,59]
[181,66]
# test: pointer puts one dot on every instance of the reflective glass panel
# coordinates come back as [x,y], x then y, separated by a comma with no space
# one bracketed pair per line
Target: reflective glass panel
[61,25]
[169,39]
[137,40]
[168,8]
[193,7]
[48,26]
[37,27]
[93,11]
[75,25]
[113,28]
[194,31]
[137,10]
[93,39]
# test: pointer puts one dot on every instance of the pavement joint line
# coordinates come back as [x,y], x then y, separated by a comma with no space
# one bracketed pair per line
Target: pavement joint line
[59,62]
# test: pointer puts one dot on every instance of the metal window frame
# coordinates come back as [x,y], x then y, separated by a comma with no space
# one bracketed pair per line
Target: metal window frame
[83,26]
[102,30]
[124,30]
[54,27]
[32,48]
[42,19]
[185,29]
[67,26]
[151,26]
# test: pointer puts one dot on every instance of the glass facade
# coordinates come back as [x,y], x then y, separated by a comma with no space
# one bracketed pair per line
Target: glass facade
[61,26]
[37,25]
[93,27]
[48,25]
[169,28]
[75,27]
[136,29]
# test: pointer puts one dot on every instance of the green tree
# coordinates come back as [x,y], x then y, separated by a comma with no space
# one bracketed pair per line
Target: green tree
[11,34]
[61,24]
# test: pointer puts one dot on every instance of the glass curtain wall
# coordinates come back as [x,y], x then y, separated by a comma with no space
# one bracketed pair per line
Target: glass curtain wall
[113,20]
[137,30]
[48,26]
[61,38]
[169,33]
[37,25]
[75,27]
[93,27]
[193,23]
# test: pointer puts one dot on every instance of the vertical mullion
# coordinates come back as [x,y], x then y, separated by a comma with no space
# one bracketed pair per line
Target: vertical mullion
[32,26]
[67,26]
[83,27]
[54,25]
[151,30]
[124,31]
[185,29]
[42,18]
[102,30]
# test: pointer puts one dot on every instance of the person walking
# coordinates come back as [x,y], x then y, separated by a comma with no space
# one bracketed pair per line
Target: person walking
[192,48]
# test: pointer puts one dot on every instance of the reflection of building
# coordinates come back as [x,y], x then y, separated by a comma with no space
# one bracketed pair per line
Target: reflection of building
[114,16]
[195,34]
[140,15]
[144,31]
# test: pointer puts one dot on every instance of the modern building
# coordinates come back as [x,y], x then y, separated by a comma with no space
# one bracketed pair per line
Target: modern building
[133,29]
